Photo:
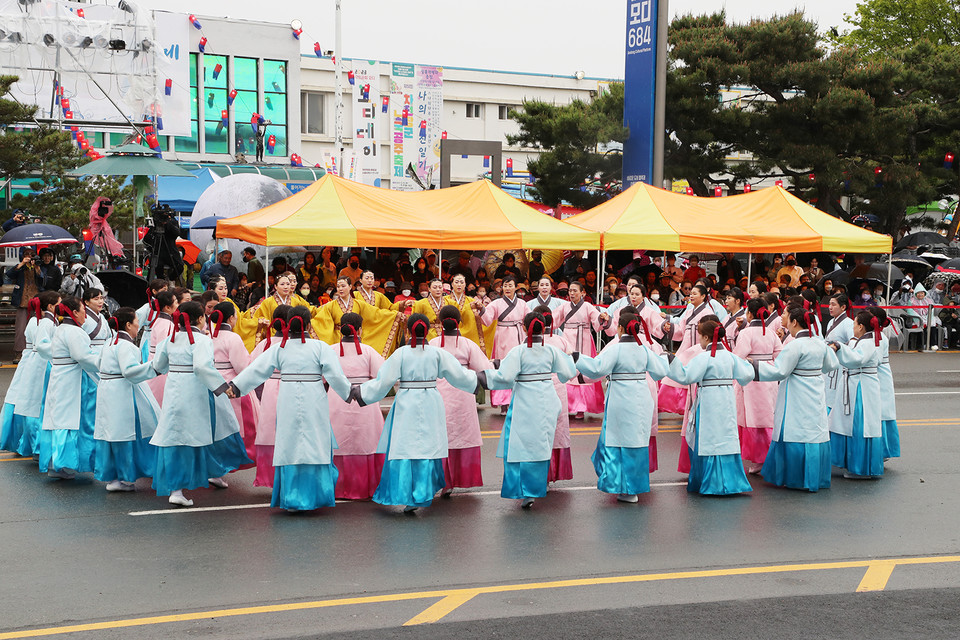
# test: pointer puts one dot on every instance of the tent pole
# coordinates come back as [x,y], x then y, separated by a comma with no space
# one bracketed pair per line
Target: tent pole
[749,268]
[266,280]
[889,274]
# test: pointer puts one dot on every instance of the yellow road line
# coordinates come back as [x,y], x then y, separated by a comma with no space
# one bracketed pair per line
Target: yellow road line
[14,459]
[876,577]
[451,597]
[439,609]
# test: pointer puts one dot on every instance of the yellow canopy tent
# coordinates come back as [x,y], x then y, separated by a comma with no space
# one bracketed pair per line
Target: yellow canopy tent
[340,212]
[645,217]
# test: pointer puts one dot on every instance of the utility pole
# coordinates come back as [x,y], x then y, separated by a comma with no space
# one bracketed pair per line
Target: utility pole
[660,107]
[338,88]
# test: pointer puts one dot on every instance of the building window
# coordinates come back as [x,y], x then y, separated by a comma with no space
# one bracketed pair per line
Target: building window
[191,144]
[215,91]
[474,110]
[503,112]
[311,112]
[275,104]
[246,81]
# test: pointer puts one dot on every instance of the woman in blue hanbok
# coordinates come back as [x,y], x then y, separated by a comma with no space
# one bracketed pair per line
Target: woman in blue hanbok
[839,328]
[799,454]
[414,434]
[66,439]
[147,312]
[888,400]
[23,403]
[127,412]
[198,437]
[526,442]
[715,464]
[622,459]
[856,434]
[100,333]
[305,476]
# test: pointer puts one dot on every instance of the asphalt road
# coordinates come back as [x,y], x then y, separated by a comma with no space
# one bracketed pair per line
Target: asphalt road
[78,562]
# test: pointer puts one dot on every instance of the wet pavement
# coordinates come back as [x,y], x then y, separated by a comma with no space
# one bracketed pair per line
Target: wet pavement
[128,565]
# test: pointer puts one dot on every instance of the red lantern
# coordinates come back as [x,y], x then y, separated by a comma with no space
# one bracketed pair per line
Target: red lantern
[717,192]
[79,13]
[65,103]
[68,115]
[509,167]
[443,135]
[747,188]
[877,171]
[203,44]
[231,96]
[351,77]
[689,191]
[779,183]
[224,117]
[216,70]
[142,231]
[81,135]
[87,236]
[813,177]
[316,50]
[193,20]
[84,145]
[948,161]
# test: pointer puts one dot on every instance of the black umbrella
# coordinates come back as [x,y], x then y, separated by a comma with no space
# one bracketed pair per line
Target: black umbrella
[838,276]
[31,234]
[876,271]
[910,260]
[952,263]
[918,239]
[128,289]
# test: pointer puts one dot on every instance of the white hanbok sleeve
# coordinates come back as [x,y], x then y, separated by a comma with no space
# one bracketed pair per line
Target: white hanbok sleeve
[161,359]
[563,365]
[203,366]
[693,372]
[504,377]
[742,371]
[657,366]
[87,358]
[599,366]
[455,373]
[261,368]
[332,371]
[851,358]
[377,389]
[783,366]
[132,368]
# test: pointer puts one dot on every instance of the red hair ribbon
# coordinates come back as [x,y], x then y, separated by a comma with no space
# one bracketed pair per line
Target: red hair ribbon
[217,319]
[115,325]
[443,333]
[64,310]
[716,338]
[278,324]
[353,332]
[187,327]
[413,334]
[530,330]
[811,322]
[288,326]
[875,323]
[762,313]
[548,320]
[34,307]
[154,312]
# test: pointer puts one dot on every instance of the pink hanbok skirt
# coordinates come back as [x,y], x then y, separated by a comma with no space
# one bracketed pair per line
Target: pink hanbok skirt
[561,466]
[359,475]
[585,398]
[265,470]
[755,443]
[461,468]
[672,399]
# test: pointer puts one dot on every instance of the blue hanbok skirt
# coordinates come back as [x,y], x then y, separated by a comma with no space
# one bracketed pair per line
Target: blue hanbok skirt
[182,467]
[408,482]
[621,469]
[126,461]
[858,455]
[798,465]
[891,439]
[715,475]
[11,429]
[304,487]
[30,440]
[521,479]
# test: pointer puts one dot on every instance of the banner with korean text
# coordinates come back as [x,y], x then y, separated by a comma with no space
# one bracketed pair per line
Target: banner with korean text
[366,122]
[639,91]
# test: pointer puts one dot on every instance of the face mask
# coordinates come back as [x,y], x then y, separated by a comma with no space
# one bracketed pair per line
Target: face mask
[424,294]
[866,295]
[655,296]
[406,292]
[828,288]
[305,291]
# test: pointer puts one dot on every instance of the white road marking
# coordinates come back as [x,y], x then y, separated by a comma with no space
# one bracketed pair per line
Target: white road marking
[926,393]
[265,505]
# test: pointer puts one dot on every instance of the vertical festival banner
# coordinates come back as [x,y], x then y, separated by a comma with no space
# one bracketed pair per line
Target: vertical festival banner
[402,85]
[429,110]
[366,134]
[639,90]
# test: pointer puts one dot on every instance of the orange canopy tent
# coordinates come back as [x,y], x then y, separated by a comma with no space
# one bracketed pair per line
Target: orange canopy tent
[645,217]
[340,212]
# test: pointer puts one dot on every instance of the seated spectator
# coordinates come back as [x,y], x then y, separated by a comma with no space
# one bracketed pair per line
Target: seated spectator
[508,266]
[694,272]
[950,318]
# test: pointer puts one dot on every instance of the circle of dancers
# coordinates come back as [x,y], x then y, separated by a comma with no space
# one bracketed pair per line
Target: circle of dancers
[763,387]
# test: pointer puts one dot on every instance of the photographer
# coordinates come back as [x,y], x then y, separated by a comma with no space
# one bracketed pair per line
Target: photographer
[50,275]
[224,269]
[79,280]
[161,245]
[18,219]
[25,277]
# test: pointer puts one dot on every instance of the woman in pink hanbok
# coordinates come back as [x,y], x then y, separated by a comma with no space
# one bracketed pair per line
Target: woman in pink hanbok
[577,319]
[673,395]
[461,467]
[230,357]
[756,401]
[561,464]
[507,311]
[161,328]
[267,422]
[356,429]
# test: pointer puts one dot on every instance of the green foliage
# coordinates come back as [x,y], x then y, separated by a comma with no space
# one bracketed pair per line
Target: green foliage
[882,26]
[567,137]
[47,154]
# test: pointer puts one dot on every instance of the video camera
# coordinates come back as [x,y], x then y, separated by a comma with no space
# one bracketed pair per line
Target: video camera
[103,210]
[161,214]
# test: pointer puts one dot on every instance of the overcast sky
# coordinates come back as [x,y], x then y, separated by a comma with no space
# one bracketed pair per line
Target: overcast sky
[546,36]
